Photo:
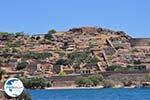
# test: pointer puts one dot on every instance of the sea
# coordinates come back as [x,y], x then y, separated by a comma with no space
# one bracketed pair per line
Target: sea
[92,94]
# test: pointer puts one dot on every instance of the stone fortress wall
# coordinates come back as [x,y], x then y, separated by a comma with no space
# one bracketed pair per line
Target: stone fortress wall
[140,42]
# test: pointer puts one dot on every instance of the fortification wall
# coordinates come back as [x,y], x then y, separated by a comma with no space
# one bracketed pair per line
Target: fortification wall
[140,42]
[61,81]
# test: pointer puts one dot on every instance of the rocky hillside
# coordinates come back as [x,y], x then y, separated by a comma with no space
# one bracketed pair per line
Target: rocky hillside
[78,50]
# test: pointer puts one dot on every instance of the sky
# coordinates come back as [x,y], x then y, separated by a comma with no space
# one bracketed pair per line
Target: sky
[38,16]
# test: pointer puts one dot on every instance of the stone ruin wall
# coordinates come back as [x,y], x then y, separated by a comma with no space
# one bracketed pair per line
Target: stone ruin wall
[140,42]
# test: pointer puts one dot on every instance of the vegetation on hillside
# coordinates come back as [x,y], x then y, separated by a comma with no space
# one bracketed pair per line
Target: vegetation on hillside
[15,44]
[2,72]
[6,35]
[118,68]
[63,62]
[79,50]
[62,73]
[49,34]
[93,80]
[21,65]
[36,55]
[17,34]
[108,83]
[36,83]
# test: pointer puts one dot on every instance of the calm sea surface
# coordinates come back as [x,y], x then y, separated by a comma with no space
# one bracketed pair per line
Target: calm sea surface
[91,94]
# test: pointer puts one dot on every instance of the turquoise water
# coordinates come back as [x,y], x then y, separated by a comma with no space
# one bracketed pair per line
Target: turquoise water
[91,94]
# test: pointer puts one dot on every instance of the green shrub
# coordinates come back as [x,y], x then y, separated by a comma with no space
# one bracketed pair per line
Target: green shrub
[136,62]
[108,83]
[120,68]
[96,79]
[61,54]
[19,34]
[61,73]
[52,31]
[14,50]
[92,80]
[82,57]
[78,56]
[63,62]
[131,68]
[81,81]
[36,55]
[49,34]
[126,81]
[35,82]
[113,67]
[92,60]
[6,35]
[88,82]
[15,44]
[21,65]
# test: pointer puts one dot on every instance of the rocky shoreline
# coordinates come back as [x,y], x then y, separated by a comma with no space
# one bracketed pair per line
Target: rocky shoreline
[98,87]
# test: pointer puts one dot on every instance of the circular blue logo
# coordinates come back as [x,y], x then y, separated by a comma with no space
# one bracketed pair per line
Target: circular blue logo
[13,87]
